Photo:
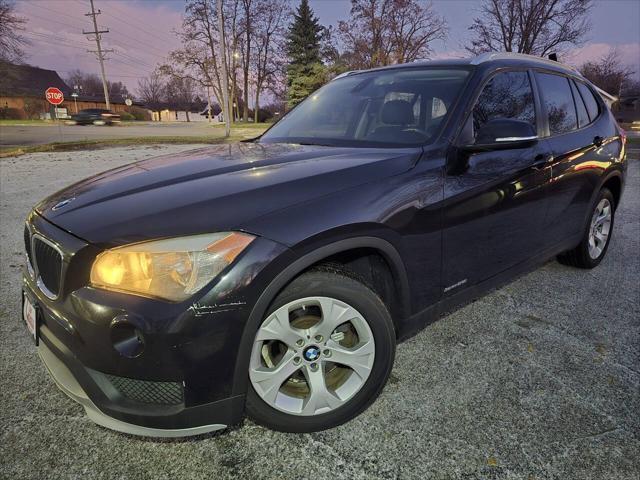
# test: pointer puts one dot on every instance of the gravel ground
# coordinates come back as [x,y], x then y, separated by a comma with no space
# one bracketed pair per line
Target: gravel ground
[540,379]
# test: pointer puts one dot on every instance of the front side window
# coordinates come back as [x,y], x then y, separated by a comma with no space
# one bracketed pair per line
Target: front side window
[393,108]
[508,95]
[558,101]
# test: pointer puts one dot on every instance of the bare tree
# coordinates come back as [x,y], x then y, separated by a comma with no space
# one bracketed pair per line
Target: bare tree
[152,92]
[199,56]
[536,27]
[608,72]
[269,36]
[383,32]
[11,28]
[91,84]
[181,94]
[249,9]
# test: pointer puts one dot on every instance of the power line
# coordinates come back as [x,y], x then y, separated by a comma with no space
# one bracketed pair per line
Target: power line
[135,60]
[120,44]
[111,74]
[53,20]
[50,39]
[137,40]
[137,27]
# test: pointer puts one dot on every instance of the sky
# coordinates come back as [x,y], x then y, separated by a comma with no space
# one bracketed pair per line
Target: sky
[141,32]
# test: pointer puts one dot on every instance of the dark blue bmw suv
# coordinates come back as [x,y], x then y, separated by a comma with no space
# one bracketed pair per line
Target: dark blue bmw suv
[275,277]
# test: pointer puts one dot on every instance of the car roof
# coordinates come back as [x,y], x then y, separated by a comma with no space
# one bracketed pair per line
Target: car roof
[490,59]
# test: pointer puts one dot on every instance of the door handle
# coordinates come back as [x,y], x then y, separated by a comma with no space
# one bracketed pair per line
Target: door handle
[541,161]
[598,141]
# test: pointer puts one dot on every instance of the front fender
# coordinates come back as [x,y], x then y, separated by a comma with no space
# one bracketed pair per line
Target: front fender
[300,258]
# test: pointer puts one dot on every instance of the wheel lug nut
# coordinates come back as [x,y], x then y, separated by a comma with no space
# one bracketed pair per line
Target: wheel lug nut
[300,342]
[326,353]
[314,366]
[296,360]
[318,338]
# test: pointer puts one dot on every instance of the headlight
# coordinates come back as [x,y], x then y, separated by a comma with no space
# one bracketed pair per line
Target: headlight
[172,269]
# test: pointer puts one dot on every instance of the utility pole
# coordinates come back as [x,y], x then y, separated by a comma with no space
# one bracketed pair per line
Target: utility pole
[100,52]
[225,79]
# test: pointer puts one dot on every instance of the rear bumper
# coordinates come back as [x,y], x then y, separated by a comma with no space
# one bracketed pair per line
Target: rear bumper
[69,385]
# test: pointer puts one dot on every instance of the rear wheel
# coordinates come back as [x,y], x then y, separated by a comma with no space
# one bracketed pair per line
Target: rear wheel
[593,247]
[321,356]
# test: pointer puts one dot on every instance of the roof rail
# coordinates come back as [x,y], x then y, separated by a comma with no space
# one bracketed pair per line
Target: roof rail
[344,74]
[488,56]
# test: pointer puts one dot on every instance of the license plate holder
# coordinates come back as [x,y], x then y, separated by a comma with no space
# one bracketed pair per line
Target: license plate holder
[30,316]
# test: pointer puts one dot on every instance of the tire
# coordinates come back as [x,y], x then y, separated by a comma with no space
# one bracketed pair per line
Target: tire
[587,255]
[305,300]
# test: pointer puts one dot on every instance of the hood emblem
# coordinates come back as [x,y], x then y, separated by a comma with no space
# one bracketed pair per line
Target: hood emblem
[63,203]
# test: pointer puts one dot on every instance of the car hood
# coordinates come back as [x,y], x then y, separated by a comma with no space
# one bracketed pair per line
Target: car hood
[216,188]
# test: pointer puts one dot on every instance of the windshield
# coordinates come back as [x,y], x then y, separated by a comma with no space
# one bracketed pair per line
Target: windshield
[392,108]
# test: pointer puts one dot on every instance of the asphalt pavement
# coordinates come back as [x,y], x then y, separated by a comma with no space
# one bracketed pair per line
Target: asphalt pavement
[538,380]
[18,135]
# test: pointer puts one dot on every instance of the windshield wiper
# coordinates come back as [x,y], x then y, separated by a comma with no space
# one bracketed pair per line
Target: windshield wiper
[314,144]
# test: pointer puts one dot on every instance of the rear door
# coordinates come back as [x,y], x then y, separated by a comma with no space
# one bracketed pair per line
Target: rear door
[494,209]
[576,133]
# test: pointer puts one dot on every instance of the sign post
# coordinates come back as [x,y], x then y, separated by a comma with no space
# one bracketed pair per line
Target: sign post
[75,100]
[55,97]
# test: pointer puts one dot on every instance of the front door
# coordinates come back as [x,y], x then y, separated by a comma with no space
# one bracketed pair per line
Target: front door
[495,207]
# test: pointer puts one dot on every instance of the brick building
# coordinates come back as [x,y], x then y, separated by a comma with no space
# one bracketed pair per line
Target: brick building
[22,88]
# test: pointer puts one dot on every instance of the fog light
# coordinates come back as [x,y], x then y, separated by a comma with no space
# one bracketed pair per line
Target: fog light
[126,339]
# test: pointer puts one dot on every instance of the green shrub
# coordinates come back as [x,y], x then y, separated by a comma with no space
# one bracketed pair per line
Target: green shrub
[7,113]
[140,114]
[127,117]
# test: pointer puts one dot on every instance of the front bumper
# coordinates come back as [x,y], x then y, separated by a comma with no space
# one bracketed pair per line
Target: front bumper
[69,385]
[107,403]
[183,383]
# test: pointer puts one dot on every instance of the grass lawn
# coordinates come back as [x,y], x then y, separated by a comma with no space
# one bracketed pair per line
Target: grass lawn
[237,134]
[27,122]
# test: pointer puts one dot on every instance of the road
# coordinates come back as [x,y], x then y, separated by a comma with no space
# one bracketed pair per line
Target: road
[537,380]
[15,135]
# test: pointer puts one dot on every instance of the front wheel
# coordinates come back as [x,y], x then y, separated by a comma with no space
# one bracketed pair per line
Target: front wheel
[321,356]
[595,242]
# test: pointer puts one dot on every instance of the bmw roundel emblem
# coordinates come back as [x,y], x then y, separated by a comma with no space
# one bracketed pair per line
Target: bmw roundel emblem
[311,354]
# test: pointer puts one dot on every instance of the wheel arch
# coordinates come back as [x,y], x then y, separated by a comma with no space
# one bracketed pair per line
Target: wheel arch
[613,182]
[322,255]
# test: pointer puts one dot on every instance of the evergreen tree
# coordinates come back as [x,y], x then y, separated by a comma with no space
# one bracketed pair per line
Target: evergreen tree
[305,70]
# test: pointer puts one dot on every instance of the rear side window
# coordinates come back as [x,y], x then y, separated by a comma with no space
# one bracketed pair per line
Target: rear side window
[589,100]
[507,95]
[583,116]
[558,100]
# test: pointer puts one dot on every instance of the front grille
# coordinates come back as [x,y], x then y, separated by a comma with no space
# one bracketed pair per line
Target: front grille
[48,263]
[145,391]
[27,245]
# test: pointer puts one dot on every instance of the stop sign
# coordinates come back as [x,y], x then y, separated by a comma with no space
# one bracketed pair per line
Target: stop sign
[54,96]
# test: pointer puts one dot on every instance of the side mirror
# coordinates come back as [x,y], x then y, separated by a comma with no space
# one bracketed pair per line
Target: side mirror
[503,134]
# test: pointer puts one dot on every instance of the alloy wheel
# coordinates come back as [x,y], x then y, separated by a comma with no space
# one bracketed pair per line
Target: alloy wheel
[600,228]
[311,356]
